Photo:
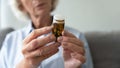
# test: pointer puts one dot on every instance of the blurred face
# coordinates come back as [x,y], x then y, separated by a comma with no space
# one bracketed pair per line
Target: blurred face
[37,7]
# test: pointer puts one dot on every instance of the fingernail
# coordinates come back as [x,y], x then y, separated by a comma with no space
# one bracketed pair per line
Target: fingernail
[51,26]
[63,33]
[60,38]
[52,37]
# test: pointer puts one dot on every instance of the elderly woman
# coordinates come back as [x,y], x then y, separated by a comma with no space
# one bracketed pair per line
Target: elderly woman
[23,48]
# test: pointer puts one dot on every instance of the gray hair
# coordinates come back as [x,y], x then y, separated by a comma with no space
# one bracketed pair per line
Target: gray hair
[14,4]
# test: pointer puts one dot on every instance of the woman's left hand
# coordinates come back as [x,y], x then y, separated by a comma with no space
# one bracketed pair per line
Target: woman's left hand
[73,50]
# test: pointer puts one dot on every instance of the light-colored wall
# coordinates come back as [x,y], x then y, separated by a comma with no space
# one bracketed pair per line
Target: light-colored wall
[84,15]
[91,15]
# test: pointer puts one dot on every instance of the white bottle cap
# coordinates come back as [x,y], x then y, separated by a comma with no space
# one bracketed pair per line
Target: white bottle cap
[58,17]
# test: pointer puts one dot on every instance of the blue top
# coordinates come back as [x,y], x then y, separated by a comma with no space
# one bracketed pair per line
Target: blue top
[10,54]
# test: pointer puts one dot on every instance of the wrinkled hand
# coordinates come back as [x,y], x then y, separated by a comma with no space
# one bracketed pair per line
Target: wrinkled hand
[34,49]
[73,50]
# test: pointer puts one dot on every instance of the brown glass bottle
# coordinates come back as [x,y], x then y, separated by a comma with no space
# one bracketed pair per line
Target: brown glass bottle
[58,27]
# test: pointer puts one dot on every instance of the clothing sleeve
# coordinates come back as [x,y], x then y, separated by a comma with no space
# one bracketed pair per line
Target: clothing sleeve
[88,63]
[3,55]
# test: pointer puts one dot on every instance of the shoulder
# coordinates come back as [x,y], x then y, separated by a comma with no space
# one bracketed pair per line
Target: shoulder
[13,38]
[11,46]
[15,34]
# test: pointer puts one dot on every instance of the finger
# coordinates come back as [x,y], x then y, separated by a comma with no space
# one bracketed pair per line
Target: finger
[66,33]
[43,50]
[70,40]
[50,54]
[35,33]
[73,47]
[39,42]
[34,61]
[79,57]
[43,57]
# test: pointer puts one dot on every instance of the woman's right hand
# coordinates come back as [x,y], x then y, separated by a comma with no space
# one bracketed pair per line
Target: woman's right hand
[34,49]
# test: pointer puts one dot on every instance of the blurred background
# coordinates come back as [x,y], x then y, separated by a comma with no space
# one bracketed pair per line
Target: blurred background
[84,15]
